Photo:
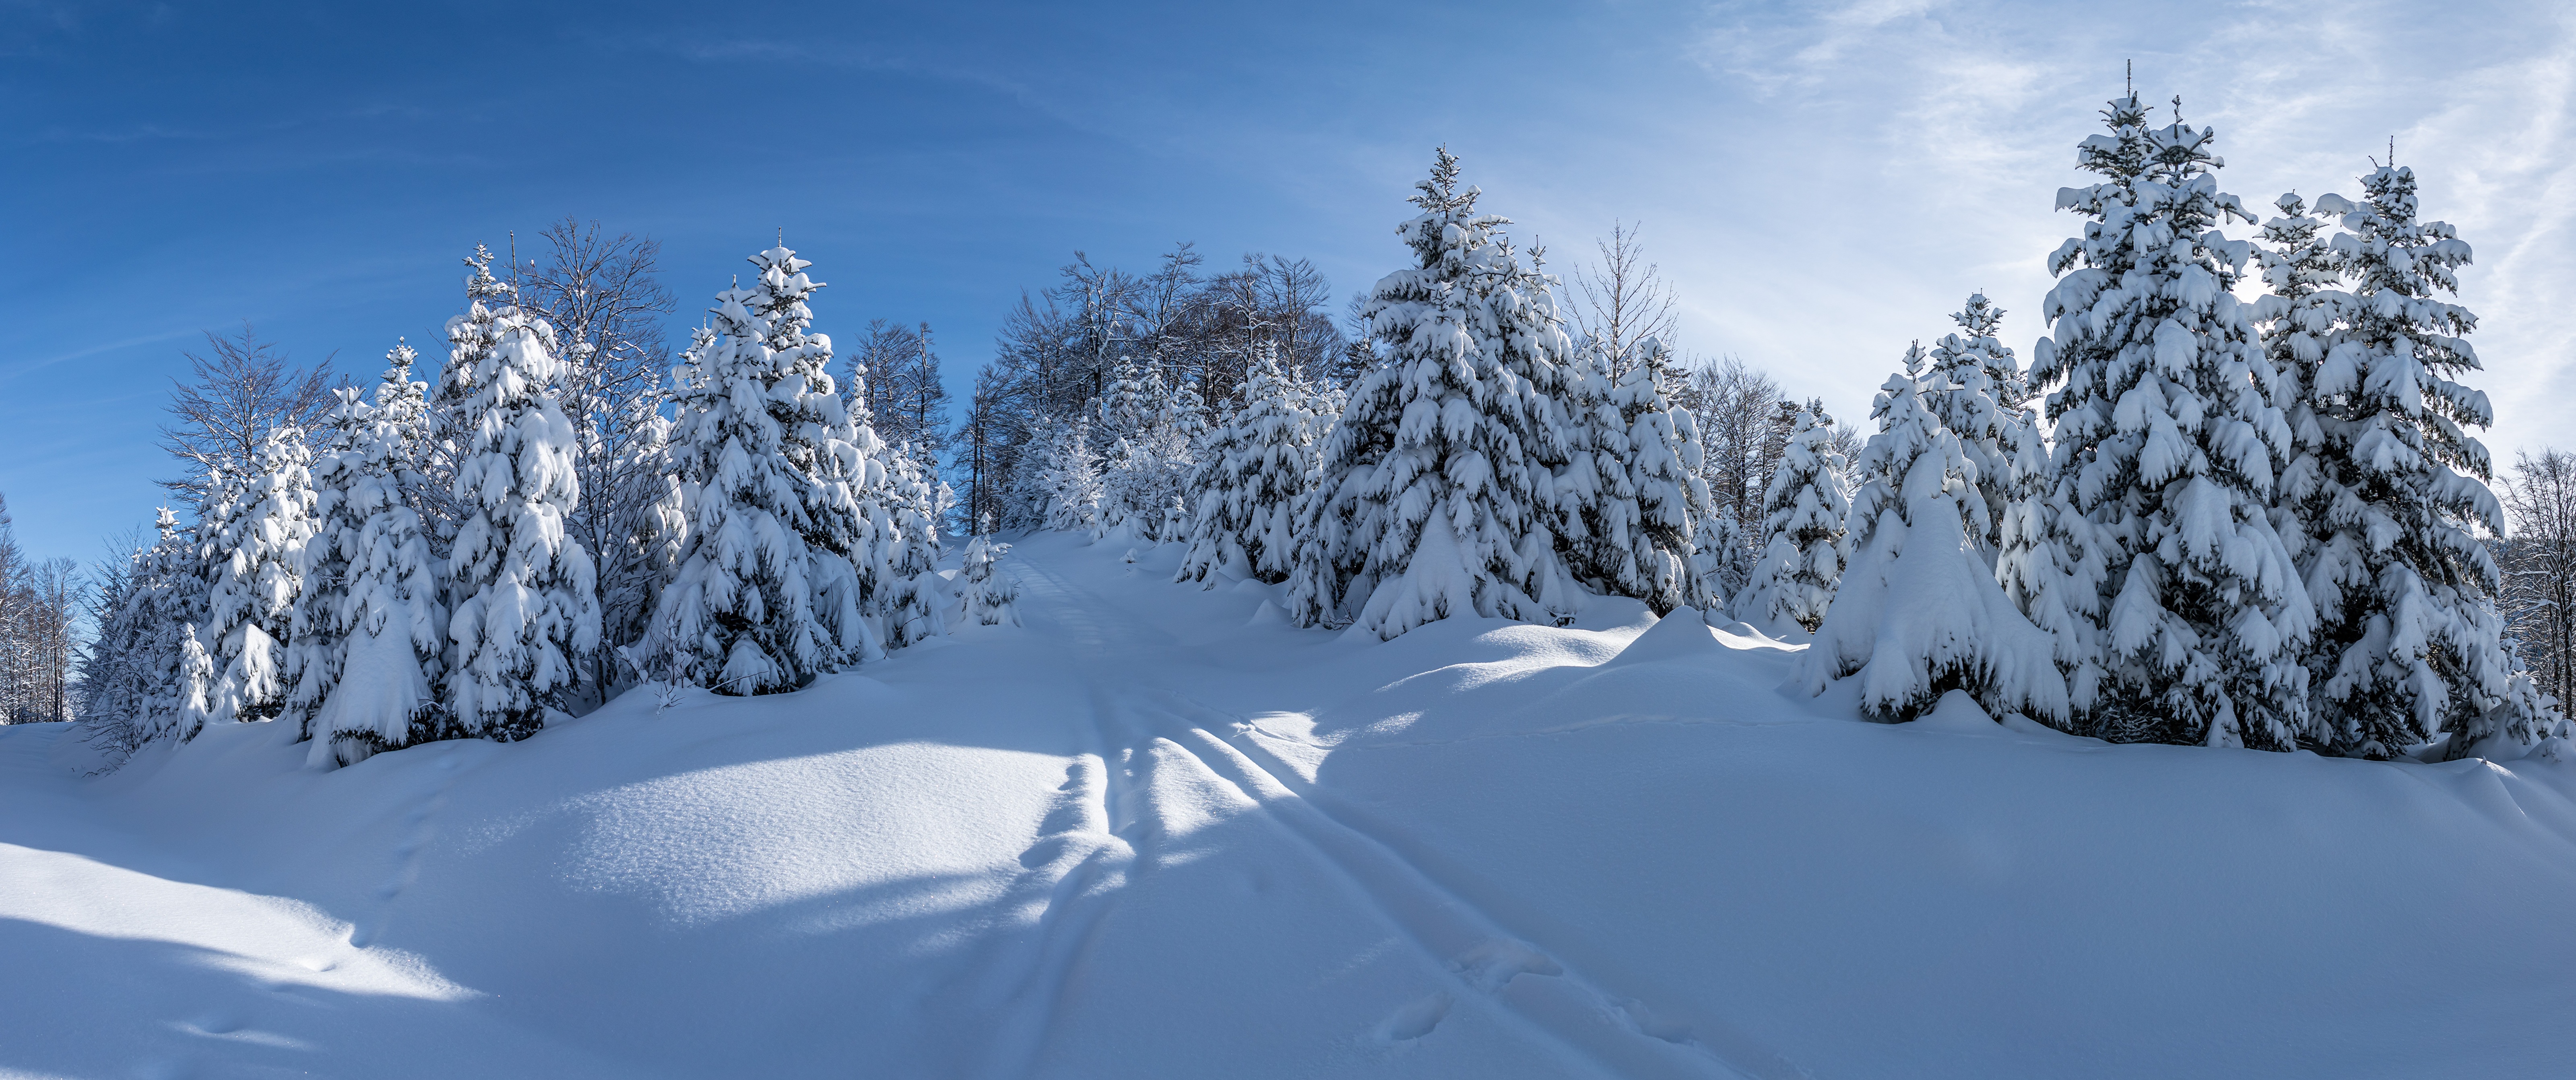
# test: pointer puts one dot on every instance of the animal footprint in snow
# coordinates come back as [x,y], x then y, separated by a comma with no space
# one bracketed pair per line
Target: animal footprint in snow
[1414,1020]
[1490,965]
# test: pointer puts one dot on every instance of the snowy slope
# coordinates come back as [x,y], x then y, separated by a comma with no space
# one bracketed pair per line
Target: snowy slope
[1156,833]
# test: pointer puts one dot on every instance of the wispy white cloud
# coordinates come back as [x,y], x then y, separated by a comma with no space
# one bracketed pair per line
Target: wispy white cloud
[1916,144]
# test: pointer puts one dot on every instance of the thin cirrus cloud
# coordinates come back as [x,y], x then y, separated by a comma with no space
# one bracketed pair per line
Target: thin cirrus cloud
[1942,130]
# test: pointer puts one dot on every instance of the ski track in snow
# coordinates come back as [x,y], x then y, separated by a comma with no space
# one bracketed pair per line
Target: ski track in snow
[407,854]
[1613,1034]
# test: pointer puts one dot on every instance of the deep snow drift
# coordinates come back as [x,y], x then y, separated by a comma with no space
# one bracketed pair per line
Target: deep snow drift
[1157,833]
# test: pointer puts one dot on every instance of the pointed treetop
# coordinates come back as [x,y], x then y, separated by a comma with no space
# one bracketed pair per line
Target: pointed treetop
[1980,317]
[481,283]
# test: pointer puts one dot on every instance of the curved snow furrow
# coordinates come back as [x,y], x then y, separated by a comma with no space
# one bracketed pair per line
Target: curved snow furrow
[1620,1035]
[1073,870]
[1737,1050]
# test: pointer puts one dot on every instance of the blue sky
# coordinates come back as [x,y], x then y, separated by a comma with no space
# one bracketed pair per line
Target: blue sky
[1820,182]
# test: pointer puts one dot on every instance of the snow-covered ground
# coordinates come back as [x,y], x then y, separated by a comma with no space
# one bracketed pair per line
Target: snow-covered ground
[1157,833]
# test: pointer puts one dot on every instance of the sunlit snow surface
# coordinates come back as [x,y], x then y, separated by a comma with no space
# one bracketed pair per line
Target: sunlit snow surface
[1158,834]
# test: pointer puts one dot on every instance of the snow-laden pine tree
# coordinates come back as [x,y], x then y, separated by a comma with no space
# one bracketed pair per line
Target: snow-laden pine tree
[169,592]
[371,628]
[523,598]
[1984,407]
[738,614]
[1161,429]
[318,646]
[1918,613]
[917,502]
[1067,479]
[2167,441]
[2408,643]
[1804,514]
[990,596]
[1630,497]
[253,537]
[2297,314]
[112,690]
[1437,484]
[1131,401]
[192,692]
[445,436]
[1594,514]
[133,674]
[826,446]
[1256,468]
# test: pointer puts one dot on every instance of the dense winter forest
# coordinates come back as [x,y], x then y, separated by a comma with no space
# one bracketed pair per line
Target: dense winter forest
[2232,498]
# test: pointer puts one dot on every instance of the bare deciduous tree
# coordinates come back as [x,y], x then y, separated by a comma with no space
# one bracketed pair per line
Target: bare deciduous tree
[607,308]
[1625,300]
[38,604]
[243,388]
[2539,564]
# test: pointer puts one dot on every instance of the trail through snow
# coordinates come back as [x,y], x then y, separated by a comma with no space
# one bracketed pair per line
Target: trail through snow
[1155,833]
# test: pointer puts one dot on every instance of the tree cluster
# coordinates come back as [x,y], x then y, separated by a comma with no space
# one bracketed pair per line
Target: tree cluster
[561,514]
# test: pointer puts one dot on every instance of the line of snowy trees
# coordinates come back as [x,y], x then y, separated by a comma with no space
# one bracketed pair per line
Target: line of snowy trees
[2194,518]
[39,612]
[561,513]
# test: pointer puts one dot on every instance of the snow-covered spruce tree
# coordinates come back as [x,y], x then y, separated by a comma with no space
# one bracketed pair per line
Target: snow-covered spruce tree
[1161,428]
[445,431]
[1918,612]
[2167,442]
[134,670]
[111,687]
[738,615]
[319,647]
[1594,514]
[1067,478]
[1437,484]
[1246,489]
[253,539]
[917,502]
[371,629]
[1804,515]
[192,694]
[990,596]
[823,442]
[1983,407]
[1132,400]
[168,594]
[2408,644]
[523,596]
[1672,497]
[1630,497]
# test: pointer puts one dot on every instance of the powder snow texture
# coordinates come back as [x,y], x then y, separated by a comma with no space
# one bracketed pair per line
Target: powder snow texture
[1143,838]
